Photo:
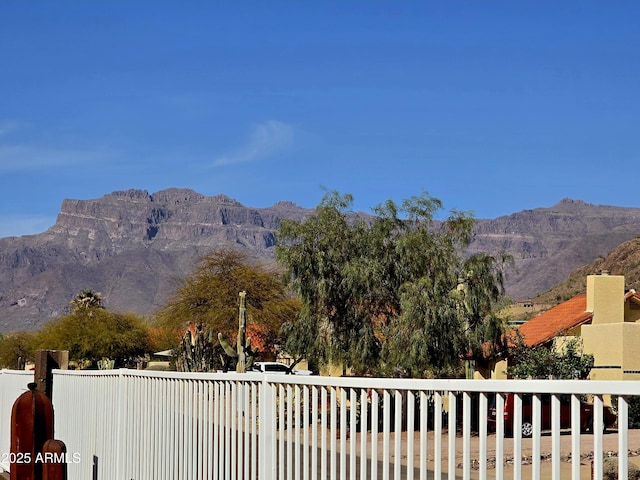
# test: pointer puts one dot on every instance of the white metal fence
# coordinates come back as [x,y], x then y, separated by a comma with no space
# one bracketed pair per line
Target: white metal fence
[127,424]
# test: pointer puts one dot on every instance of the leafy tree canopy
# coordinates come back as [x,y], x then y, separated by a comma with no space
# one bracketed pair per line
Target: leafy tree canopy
[93,333]
[209,297]
[390,291]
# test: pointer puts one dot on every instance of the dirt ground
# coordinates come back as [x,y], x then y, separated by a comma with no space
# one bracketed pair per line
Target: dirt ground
[386,466]
[610,448]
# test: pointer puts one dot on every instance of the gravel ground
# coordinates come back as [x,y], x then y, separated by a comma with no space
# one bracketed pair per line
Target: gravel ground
[610,448]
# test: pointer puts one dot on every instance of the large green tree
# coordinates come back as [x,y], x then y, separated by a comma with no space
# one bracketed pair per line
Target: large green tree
[91,333]
[208,299]
[392,290]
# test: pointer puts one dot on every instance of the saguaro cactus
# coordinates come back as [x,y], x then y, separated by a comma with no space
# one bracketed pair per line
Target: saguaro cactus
[243,351]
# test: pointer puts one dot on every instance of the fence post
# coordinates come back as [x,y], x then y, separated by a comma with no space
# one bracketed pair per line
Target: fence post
[267,442]
[46,361]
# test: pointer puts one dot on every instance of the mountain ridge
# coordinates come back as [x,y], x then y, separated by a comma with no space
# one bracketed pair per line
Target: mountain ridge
[134,247]
[548,243]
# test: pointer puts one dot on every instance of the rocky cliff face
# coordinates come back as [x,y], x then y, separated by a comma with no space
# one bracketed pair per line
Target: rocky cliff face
[131,246]
[167,219]
[135,247]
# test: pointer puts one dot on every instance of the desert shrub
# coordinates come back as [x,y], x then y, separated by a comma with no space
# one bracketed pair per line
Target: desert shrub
[610,469]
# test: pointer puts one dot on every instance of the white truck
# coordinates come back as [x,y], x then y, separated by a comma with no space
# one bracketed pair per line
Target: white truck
[277,368]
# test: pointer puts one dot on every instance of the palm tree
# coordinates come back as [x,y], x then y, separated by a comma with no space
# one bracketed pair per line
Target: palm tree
[87,300]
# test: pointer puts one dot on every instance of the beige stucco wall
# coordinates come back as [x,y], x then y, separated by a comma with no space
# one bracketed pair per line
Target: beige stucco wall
[498,372]
[491,371]
[615,350]
[605,295]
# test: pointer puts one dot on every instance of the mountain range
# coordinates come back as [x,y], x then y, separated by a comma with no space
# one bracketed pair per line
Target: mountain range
[134,247]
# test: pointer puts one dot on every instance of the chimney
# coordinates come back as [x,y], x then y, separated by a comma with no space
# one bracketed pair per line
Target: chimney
[605,298]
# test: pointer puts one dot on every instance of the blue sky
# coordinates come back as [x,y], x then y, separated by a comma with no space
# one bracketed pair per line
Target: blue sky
[493,107]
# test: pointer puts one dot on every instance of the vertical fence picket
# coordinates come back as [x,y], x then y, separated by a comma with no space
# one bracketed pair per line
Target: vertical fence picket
[254,431]
[217,448]
[333,421]
[315,407]
[597,436]
[296,431]
[437,443]
[233,430]
[386,429]
[171,419]
[343,433]
[353,410]
[410,428]
[575,436]
[375,409]
[323,433]
[517,435]
[451,435]
[555,436]
[466,435]
[623,437]
[290,428]
[483,411]
[246,433]
[305,434]
[537,421]
[424,447]
[364,428]
[397,444]
[281,402]
[499,418]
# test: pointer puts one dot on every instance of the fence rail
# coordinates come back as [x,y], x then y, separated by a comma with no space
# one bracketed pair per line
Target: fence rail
[129,424]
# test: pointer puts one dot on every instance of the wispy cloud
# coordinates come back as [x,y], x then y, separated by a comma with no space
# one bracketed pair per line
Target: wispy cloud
[266,140]
[19,158]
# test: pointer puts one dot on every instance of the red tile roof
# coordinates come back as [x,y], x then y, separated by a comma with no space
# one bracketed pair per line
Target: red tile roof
[556,321]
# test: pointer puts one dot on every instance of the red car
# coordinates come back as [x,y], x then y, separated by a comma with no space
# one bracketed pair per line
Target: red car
[586,414]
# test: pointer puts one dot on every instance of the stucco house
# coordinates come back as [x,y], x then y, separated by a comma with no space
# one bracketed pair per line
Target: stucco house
[606,318]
